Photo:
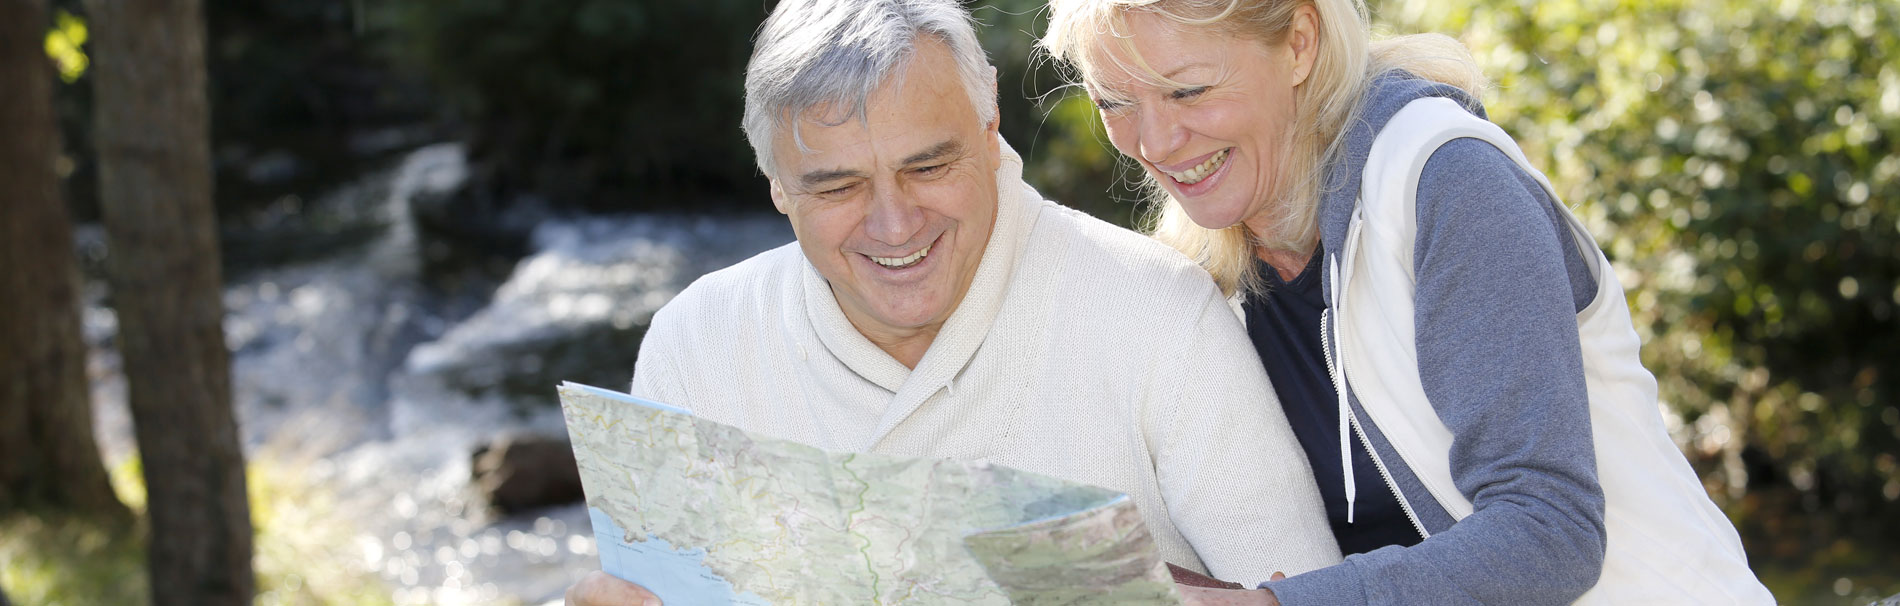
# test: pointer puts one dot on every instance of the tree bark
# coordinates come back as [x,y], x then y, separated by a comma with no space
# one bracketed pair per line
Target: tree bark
[48,459]
[152,128]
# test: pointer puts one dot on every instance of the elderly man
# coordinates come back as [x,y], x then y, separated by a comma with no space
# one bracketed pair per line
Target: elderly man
[934,305]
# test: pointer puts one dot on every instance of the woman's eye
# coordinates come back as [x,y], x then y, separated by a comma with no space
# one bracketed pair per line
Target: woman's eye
[1109,106]
[1187,93]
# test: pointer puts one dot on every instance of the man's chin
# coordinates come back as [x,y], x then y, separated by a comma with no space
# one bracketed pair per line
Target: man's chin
[910,319]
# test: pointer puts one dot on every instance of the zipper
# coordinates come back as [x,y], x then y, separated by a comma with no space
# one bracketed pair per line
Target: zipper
[1341,377]
[1390,484]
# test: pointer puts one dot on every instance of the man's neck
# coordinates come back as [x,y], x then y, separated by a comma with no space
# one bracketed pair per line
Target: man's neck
[908,349]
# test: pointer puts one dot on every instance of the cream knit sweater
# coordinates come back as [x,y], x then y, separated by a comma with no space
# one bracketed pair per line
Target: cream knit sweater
[1082,351]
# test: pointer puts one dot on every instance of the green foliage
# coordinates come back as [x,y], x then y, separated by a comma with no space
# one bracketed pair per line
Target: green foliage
[591,101]
[302,546]
[65,43]
[70,562]
[1067,156]
[1738,162]
[605,103]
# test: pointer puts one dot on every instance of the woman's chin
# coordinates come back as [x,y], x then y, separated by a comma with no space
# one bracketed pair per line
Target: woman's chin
[1210,216]
[1210,209]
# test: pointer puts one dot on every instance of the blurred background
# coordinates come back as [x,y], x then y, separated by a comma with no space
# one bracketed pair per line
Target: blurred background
[429,213]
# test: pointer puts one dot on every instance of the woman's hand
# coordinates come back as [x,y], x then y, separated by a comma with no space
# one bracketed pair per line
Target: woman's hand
[602,589]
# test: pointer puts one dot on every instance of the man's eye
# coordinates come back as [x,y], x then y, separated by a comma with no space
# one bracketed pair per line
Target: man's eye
[1187,93]
[927,170]
[837,190]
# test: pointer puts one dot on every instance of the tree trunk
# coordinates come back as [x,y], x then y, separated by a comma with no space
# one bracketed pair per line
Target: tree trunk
[48,459]
[152,129]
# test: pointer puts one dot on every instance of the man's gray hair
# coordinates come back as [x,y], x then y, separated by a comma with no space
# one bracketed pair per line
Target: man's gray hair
[834,53]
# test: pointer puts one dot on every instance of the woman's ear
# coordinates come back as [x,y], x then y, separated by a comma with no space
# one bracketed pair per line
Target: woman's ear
[1302,41]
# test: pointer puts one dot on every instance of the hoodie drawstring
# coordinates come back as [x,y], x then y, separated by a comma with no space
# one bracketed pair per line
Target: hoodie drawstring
[1339,386]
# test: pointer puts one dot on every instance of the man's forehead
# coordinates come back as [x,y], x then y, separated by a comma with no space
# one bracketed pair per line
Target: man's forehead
[921,105]
[876,140]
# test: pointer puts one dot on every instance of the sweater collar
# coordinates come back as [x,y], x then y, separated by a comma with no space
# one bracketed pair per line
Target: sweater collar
[962,333]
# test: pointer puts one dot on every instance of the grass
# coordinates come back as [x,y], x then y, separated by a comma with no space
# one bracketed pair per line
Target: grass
[302,556]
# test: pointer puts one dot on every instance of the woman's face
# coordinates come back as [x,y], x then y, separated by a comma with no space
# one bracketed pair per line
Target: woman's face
[1216,142]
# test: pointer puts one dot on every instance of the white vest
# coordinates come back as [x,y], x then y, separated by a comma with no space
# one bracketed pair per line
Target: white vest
[1667,542]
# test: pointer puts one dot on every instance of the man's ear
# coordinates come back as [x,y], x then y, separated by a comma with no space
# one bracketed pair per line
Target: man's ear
[993,129]
[778,199]
[1302,42]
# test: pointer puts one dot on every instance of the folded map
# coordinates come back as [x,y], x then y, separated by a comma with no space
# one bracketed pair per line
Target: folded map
[704,513]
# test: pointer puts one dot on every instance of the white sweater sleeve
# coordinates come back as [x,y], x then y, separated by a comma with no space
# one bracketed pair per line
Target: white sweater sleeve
[1235,480]
[656,372]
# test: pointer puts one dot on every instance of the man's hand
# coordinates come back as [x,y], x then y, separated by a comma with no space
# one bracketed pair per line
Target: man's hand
[1207,596]
[602,589]
[1193,595]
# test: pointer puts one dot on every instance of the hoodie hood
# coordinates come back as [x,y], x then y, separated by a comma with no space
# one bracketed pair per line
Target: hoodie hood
[1386,96]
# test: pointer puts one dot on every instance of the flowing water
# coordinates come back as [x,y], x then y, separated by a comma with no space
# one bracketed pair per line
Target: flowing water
[374,368]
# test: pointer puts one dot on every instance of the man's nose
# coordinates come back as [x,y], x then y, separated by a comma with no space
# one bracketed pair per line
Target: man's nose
[894,216]
[1161,133]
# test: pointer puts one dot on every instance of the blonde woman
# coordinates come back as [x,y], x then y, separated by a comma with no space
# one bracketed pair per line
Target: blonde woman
[1451,346]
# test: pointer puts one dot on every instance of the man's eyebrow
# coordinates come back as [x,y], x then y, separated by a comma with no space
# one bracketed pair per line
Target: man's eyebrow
[946,148]
[940,150]
[820,176]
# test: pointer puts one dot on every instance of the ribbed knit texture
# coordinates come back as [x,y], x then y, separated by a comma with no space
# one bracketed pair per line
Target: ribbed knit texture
[1082,351]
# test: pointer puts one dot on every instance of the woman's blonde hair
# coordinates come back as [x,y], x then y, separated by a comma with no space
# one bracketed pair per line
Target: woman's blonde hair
[1330,98]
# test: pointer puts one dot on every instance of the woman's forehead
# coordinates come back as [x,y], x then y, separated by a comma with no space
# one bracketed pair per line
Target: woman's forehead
[1156,53]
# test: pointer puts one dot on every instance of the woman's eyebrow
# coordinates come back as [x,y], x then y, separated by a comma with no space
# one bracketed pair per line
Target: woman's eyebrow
[1177,70]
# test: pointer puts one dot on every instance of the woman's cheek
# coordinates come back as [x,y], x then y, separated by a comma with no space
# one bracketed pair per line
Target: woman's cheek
[1119,135]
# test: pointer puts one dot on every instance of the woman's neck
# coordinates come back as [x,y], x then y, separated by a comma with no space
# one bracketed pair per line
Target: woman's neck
[1287,263]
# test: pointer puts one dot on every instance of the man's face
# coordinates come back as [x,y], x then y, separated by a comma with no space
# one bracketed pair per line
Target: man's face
[894,210]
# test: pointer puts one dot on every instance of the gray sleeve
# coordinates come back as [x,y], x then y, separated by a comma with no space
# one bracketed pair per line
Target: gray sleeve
[1499,286]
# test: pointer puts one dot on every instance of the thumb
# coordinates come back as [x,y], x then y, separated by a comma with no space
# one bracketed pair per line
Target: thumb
[1277,576]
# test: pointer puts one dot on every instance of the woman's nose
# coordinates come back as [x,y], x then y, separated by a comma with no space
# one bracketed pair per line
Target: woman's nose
[1161,134]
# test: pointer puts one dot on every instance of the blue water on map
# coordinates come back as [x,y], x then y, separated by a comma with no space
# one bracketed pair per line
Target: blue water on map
[675,574]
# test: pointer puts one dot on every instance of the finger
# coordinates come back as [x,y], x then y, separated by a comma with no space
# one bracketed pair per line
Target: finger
[602,589]
[1211,596]
[1277,576]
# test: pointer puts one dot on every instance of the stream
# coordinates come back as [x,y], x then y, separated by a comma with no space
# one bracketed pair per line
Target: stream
[370,366]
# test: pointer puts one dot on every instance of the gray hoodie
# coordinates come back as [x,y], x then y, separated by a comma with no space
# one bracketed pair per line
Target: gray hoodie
[1498,289]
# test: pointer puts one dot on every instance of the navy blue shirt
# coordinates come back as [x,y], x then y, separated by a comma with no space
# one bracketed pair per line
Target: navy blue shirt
[1284,327]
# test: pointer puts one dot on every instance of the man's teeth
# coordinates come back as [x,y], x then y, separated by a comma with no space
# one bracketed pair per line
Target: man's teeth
[901,261]
[1201,171]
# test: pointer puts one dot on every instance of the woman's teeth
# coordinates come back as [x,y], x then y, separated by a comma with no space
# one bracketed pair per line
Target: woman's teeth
[1201,171]
[901,262]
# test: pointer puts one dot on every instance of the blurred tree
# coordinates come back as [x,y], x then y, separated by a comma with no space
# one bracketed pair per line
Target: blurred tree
[599,104]
[1066,155]
[611,105]
[153,140]
[48,459]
